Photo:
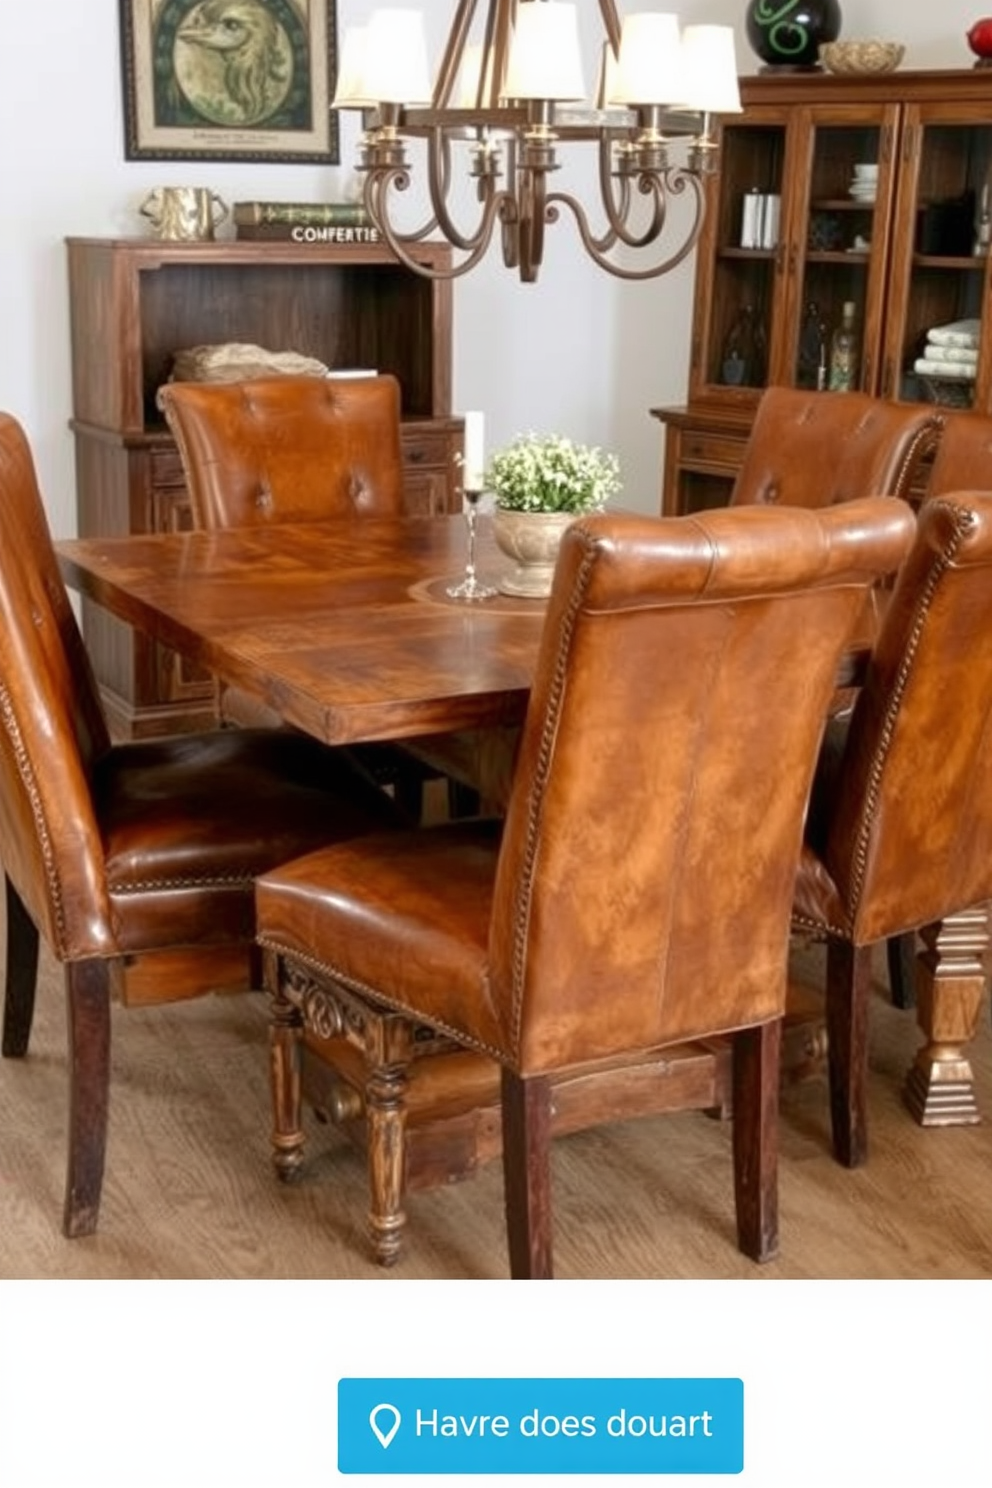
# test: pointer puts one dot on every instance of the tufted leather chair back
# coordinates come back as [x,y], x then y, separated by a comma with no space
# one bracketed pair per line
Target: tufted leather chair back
[815,449]
[908,834]
[52,729]
[963,461]
[287,449]
[646,874]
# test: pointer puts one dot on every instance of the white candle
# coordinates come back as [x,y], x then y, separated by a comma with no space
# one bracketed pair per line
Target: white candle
[475,454]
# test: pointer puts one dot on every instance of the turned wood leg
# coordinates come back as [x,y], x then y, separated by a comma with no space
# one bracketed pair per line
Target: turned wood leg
[757,1056]
[950,981]
[88,1008]
[286,1081]
[21,976]
[385,1104]
[526,1115]
[848,994]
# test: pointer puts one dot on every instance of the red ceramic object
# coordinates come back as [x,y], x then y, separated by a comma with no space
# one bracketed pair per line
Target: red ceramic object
[980,37]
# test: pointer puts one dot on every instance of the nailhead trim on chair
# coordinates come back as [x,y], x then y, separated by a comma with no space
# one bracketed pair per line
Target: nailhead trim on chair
[522,910]
[44,836]
[324,968]
[962,522]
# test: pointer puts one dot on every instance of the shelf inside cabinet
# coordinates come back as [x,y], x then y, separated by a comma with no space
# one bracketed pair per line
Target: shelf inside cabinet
[934,261]
[761,255]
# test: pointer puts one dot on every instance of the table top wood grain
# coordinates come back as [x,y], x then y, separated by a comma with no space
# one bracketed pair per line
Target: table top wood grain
[343,626]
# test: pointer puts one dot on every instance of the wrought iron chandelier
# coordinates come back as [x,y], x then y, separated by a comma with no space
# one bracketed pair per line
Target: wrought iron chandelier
[511,101]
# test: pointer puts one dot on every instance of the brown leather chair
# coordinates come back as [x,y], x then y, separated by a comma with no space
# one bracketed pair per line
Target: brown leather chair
[287,449]
[900,828]
[136,862]
[962,462]
[815,449]
[295,449]
[639,892]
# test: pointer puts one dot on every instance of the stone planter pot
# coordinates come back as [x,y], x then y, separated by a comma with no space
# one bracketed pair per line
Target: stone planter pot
[531,539]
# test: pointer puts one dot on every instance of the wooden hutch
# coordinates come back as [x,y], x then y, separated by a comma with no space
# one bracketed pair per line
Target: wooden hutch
[135,302]
[913,258]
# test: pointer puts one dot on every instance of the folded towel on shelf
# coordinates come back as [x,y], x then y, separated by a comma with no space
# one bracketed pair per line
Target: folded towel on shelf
[955,333]
[951,371]
[961,356]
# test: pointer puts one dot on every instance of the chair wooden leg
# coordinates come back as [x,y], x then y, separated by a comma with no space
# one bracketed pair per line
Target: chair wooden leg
[526,1111]
[286,1083]
[385,1105]
[21,976]
[848,991]
[900,952]
[757,1057]
[88,1010]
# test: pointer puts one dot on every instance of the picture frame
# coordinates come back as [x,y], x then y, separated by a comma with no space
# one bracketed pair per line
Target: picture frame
[232,80]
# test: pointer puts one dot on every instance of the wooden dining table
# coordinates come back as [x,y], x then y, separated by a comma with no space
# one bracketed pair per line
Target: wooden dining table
[345,629]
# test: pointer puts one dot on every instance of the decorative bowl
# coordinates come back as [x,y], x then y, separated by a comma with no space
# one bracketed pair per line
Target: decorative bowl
[861,56]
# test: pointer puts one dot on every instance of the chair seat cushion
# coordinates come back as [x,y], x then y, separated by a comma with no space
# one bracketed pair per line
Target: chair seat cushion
[188,822]
[409,913]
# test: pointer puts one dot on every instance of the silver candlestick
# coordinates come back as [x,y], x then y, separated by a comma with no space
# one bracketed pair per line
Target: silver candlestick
[470,586]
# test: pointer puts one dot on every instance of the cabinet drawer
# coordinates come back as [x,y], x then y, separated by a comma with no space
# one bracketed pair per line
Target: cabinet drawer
[166,468]
[425,447]
[719,451]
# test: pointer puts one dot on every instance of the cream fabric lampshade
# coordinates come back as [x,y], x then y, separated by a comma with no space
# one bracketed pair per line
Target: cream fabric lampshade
[395,69]
[351,89]
[709,70]
[649,67]
[545,61]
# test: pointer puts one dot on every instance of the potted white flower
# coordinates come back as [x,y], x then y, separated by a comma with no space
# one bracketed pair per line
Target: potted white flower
[541,483]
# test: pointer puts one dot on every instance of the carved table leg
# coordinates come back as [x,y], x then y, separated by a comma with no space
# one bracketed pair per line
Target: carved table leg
[950,980]
[285,1062]
[385,1096]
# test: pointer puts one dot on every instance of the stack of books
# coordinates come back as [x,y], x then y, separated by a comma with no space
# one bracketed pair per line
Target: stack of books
[304,222]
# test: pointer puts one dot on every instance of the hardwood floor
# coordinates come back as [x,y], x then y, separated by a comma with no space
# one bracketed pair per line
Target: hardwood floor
[190,1192]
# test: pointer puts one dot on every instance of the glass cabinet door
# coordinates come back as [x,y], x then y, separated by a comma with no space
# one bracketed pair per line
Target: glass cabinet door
[837,244]
[934,351]
[798,227]
[736,296]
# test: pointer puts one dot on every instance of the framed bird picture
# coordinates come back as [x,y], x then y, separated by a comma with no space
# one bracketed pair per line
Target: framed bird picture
[229,80]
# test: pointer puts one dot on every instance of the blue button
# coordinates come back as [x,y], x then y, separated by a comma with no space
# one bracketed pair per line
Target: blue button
[540,1426]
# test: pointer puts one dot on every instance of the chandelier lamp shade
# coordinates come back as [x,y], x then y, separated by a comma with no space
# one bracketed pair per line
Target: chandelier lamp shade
[508,97]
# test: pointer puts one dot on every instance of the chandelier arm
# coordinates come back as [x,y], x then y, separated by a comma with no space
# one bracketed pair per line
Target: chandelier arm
[377,186]
[673,182]
[534,211]
[616,204]
[373,193]
[439,182]
[595,246]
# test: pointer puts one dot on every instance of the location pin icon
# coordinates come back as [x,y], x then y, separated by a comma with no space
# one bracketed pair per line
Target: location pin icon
[391,1414]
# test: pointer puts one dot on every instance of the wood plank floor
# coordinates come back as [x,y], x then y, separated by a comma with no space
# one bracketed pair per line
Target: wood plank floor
[190,1193]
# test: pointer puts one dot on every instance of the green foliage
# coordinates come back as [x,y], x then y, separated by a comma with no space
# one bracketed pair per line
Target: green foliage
[545,473]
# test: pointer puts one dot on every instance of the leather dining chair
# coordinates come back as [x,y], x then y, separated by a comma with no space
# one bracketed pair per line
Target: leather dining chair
[294,449]
[135,862]
[638,891]
[899,834]
[962,462]
[815,449]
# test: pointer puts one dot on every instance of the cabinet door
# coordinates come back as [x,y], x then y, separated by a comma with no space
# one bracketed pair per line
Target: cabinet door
[818,243]
[838,240]
[739,266]
[940,260]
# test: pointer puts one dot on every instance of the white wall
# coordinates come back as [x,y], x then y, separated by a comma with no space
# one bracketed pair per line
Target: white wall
[579,352]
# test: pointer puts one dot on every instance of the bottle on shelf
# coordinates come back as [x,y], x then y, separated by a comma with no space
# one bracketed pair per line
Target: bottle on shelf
[811,371]
[744,351]
[844,353]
